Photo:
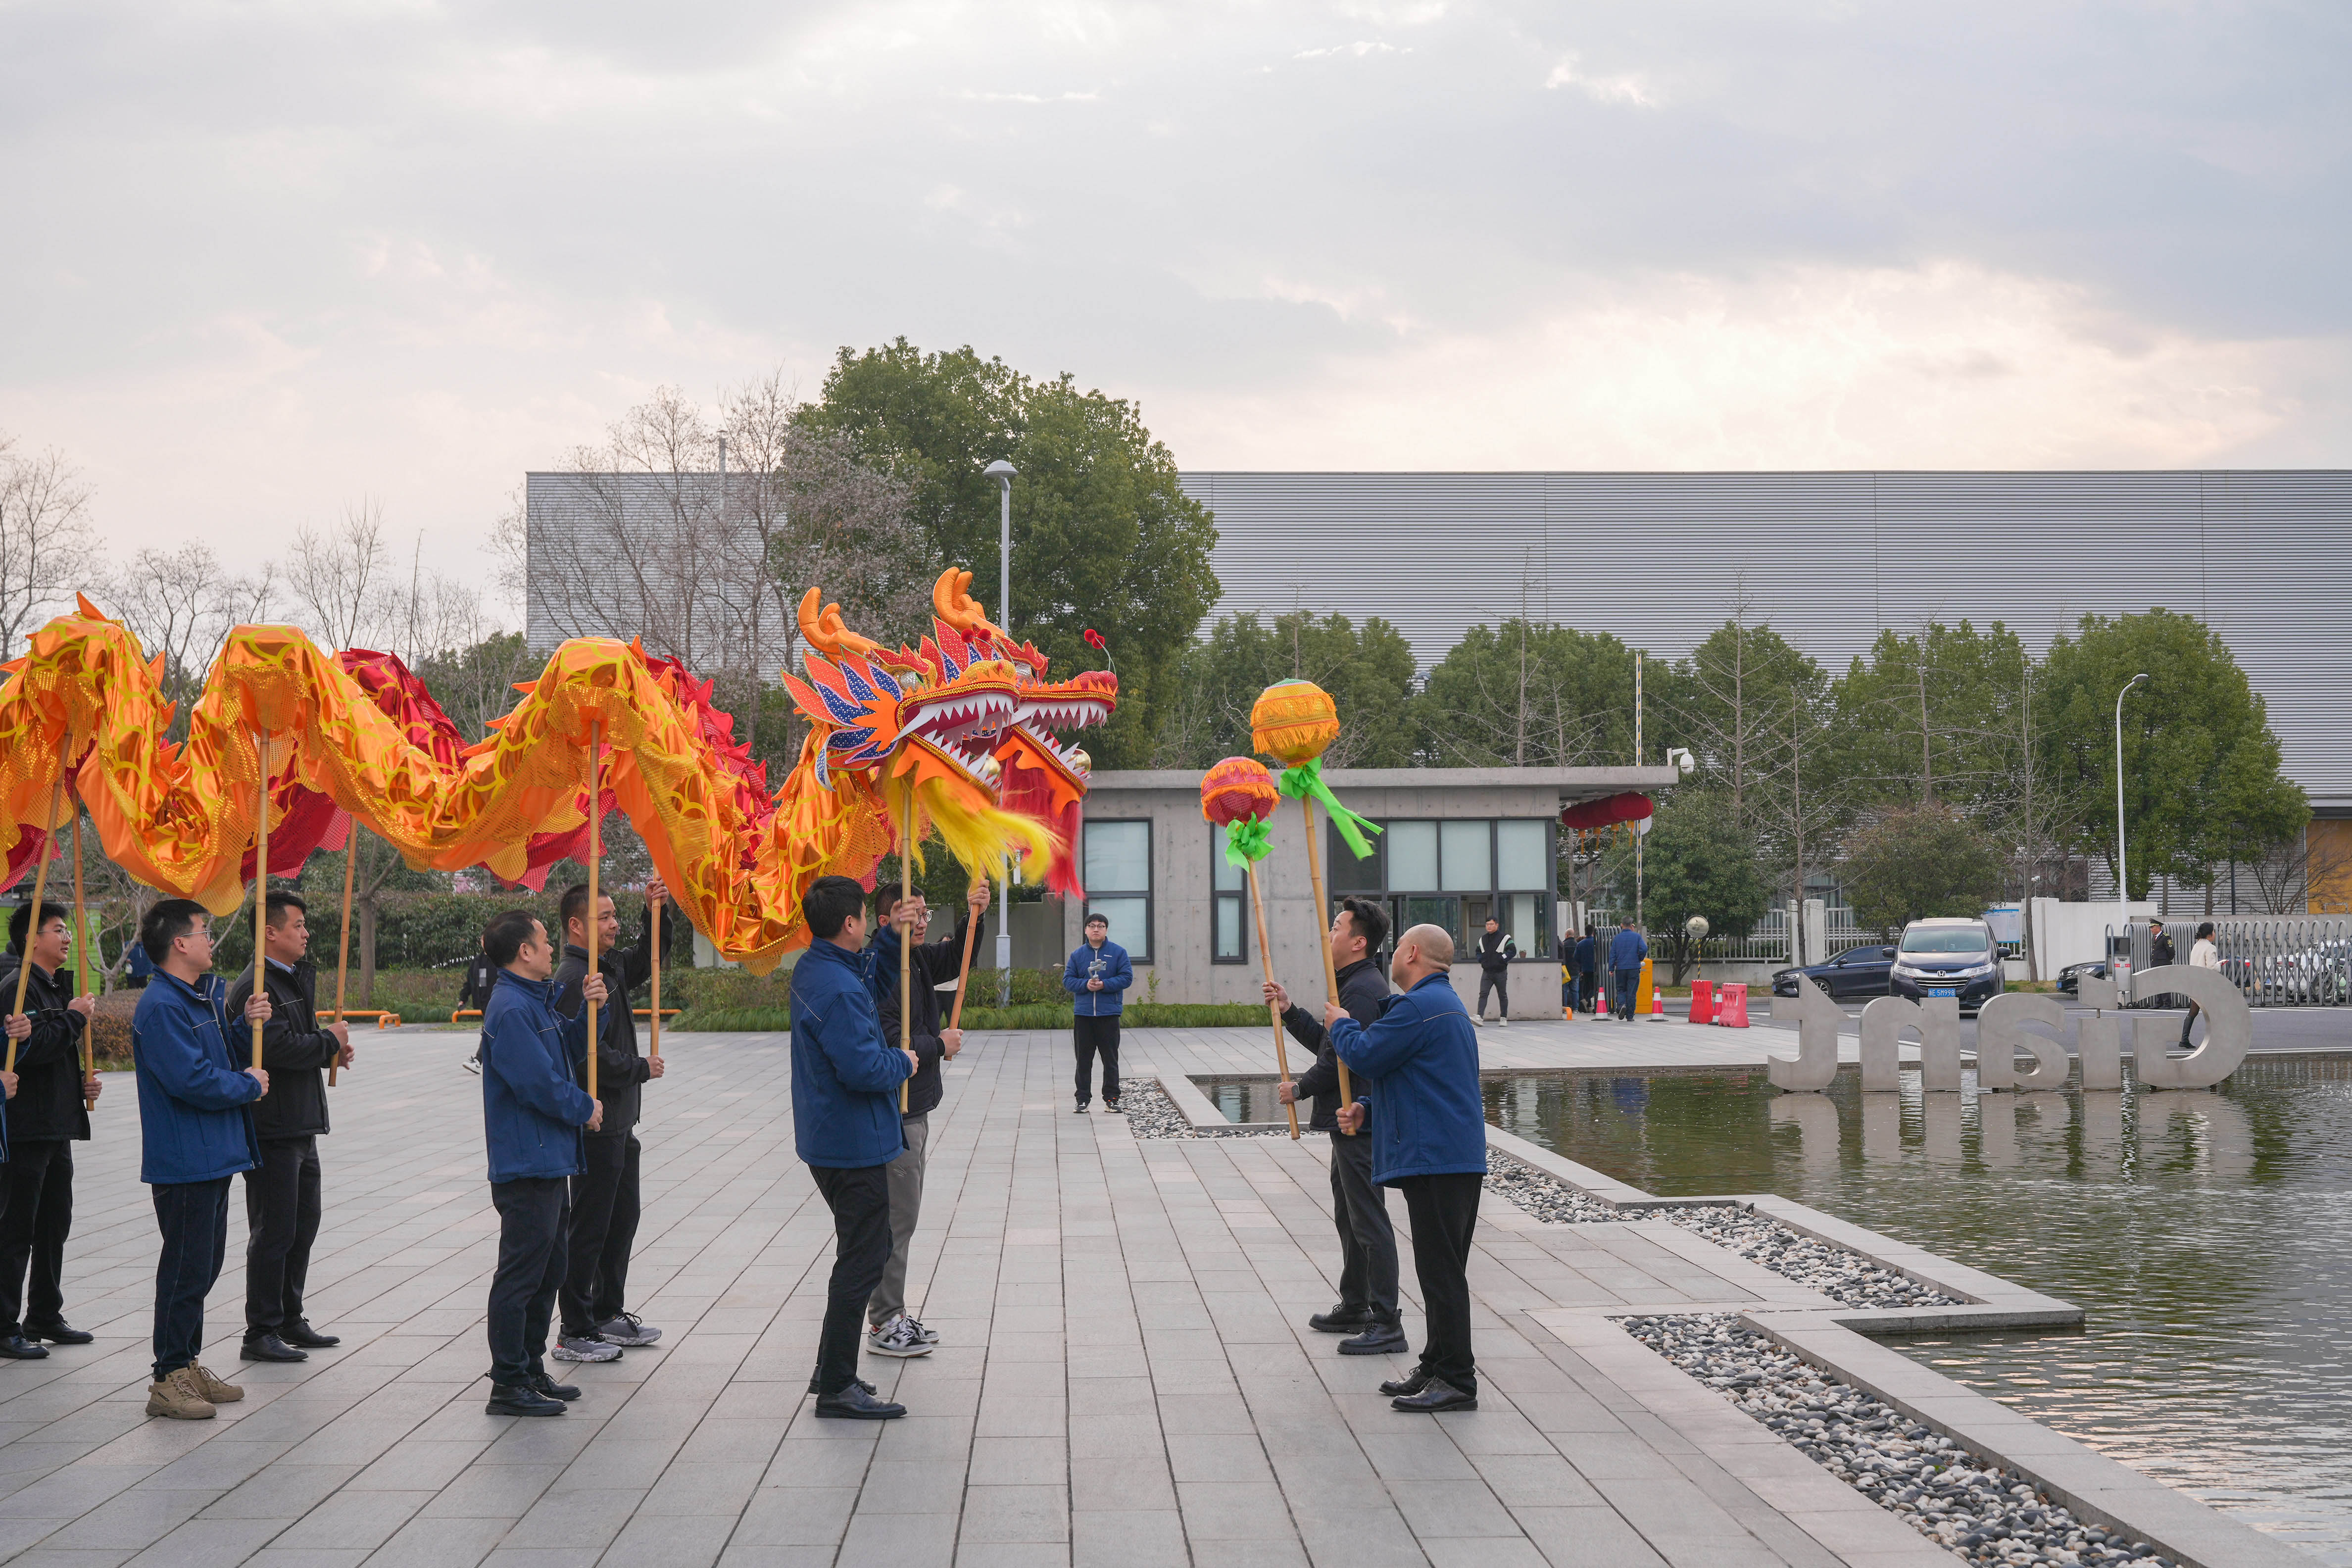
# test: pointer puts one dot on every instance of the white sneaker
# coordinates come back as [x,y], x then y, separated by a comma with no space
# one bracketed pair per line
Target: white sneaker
[1504,1021]
[899,1337]
[929,1336]
[584,1348]
[1481,1020]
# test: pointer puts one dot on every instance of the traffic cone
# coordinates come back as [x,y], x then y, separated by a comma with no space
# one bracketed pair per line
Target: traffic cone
[1657,1004]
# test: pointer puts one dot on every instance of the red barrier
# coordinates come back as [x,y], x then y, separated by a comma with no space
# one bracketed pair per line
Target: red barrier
[1732,1014]
[1702,1002]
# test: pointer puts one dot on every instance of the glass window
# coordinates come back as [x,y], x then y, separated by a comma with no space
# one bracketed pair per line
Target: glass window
[1348,874]
[1444,913]
[1228,924]
[1523,920]
[1118,882]
[1413,856]
[1128,921]
[1229,932]
[1520,856]
[1468,855]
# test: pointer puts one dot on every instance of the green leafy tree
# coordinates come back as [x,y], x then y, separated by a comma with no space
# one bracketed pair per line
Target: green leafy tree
[1928,717]
[1699,861]
[1367,670]
[1103,537]
[1529,694]
[1917,861]
[2202,784]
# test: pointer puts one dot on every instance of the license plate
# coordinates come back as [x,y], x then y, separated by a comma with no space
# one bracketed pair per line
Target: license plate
[1942,991]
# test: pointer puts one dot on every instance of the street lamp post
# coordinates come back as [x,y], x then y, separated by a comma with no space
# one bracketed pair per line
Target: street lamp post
[2123,883]
[1003,472]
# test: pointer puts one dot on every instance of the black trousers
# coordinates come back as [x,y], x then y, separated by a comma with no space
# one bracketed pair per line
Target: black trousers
[859,1197]
[603,1230]
[1588,987]
[1622,984]
[1359,1211]
[193,1218]
[533,1217]
[1498,982]
[36,1217]
[1444,1211]
[1097,1035]
[281,1221]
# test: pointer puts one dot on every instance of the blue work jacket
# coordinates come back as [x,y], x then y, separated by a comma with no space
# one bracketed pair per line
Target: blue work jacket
[1117,975]
[532,1114]
[192,1121]
[846,1076]
[1627,949]
[1421,1056]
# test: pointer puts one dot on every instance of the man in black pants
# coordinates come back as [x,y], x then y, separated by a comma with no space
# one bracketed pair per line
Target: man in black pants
[1496,951]
[45,1120]
[847,1130]
[597,1322]
[281,1194]
[1360,1210]
[1096,977]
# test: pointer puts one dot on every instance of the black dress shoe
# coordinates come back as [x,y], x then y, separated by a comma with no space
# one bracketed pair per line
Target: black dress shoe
[270,1347]
[521,1399]
[1413,1383]
[554,1390]
[857,1403]
[17,1347]
[1339,1321]
[302,1336]
[1379,1339]
[1439,1394]
[59,1334]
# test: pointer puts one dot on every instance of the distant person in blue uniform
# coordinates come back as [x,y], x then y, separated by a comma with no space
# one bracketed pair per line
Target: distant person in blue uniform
[1626,950]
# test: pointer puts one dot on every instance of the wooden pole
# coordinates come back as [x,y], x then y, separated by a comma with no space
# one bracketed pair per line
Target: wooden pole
[963,974]
[343,938]
[40,885]
[906,945]
[1323,935]
[82,935]
[653,919]
[260,890]
[596,858]
[1265,962]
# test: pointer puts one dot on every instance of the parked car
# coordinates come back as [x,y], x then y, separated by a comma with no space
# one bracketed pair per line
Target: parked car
[2070,979]
[1856,971]
[1946,957]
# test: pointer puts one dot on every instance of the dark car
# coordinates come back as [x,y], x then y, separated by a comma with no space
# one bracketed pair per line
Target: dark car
[2070,979]
[1946,957]
[1856,971]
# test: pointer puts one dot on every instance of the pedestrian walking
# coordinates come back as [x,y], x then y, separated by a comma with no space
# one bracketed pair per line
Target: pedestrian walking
[1096,977]
[2203,953]
[1588,969]
[891,1328]
[1367,1308]
[47,1115]
[847,1130]
[1627,949]
[1428,1134]
[1496,951]
[282,1194]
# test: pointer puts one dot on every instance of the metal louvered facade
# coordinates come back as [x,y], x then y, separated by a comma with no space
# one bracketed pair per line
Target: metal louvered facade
[1658,560]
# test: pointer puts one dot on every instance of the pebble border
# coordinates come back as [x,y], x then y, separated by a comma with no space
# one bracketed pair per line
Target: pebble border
[1979,1512]
[1151,1114]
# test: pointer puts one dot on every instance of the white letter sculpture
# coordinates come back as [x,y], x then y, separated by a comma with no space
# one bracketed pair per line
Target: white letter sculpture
[1816,1061]
[2228,1029]
[2001,1036]
[1938,1023]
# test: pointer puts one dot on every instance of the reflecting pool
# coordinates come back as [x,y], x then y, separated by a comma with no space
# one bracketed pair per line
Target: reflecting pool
[2207,1236]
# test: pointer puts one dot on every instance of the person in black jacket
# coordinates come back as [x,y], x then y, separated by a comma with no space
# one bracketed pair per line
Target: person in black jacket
[596,1322]
[1496,951]
[480,976]
[282,1194]
[891,1329]
[1588,969]
[1368,1254]
[43,1120]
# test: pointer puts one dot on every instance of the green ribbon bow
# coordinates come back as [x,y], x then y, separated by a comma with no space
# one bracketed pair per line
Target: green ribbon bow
[1307,780]
[1246,841]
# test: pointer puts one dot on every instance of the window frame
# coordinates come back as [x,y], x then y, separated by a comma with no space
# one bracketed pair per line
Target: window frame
[1150,871]
[1494,896]
[1217,896]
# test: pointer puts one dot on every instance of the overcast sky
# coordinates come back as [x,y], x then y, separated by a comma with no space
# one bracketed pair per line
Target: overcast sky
[264,260]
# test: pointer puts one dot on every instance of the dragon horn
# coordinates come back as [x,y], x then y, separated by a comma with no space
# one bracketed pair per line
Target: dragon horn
[827,634]
[951,598]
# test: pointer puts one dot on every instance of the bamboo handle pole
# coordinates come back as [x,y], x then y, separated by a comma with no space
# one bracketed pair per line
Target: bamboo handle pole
[963,974]
[596,858]
[653,934]
[343,938]
[907,944]
[1322,938]
[81,934]
[40,885]
[261,891]
[1266,963]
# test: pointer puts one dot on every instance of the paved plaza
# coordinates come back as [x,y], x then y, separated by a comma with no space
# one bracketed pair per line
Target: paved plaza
[1127,1375]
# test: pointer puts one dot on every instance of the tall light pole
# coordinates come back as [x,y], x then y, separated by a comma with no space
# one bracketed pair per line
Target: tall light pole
[2123,883]
[1003,472]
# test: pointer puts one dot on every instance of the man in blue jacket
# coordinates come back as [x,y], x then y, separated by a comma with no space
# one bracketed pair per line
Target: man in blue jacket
[846,1127]
[1096,977]
[1429,1142]
[194,1134]
[1626,950]
[532,1118]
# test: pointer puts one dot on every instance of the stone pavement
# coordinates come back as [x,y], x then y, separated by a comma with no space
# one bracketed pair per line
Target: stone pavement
[1126,1378]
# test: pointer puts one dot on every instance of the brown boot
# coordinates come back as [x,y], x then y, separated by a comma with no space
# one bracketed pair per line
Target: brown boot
[213,1388]
[180,1397]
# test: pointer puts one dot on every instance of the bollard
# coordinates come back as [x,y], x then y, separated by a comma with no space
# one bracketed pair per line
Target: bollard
[1702,1002]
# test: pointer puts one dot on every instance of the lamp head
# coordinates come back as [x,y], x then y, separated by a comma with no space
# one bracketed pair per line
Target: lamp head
[1001,471]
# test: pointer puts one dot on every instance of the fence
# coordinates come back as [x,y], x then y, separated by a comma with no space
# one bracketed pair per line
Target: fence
[2274,961]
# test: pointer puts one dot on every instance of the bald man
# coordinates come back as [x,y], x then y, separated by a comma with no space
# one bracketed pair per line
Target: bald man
[1429,1142]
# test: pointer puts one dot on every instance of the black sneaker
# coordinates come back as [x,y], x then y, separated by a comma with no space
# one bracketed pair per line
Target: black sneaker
[546,1385]
[857,1403]
[1110,1104]
[302,1336]
[1340,1320]
[521,1399]
[1082,1107]
[1413,1383]
[1378,1338]
[1435,1396]
[58,1333]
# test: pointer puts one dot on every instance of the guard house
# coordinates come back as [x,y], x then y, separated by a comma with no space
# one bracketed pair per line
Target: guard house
[1456,847]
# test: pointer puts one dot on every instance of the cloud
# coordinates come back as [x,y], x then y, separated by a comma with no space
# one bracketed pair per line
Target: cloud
[1359,48]
[1623,87]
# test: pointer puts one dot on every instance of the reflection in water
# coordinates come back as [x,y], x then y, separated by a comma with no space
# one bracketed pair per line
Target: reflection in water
[2207,1234]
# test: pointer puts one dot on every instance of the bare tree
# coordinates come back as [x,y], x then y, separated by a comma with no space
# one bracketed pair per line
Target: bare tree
[182,603]
[47,551]
[339,580]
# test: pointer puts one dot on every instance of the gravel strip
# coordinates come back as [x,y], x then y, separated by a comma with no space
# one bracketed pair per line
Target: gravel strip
[1151,1114]
[1981,1512]
[1544,1195]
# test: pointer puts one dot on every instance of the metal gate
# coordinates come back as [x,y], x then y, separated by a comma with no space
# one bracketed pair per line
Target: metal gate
[2275,961]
